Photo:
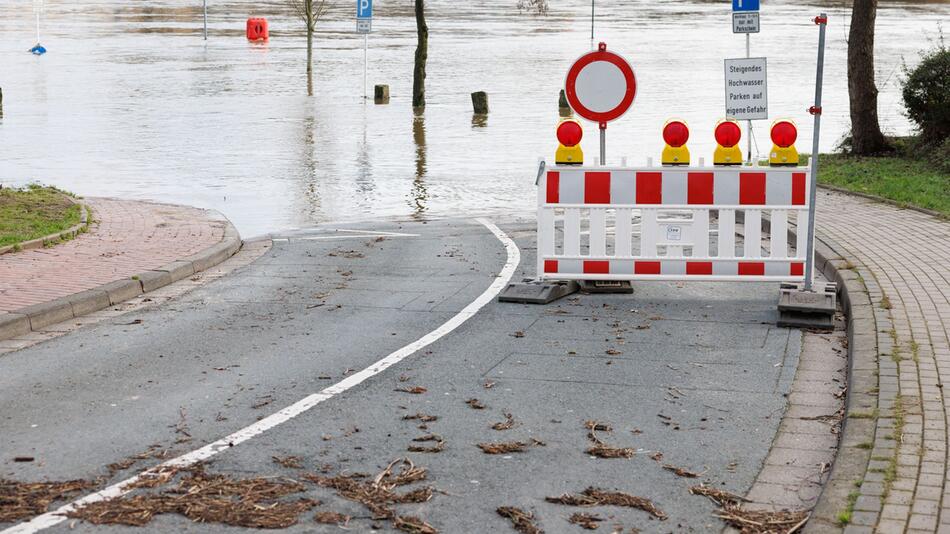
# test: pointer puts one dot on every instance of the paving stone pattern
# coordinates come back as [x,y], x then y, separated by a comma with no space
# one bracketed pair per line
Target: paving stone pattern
[903,258]
[127,238]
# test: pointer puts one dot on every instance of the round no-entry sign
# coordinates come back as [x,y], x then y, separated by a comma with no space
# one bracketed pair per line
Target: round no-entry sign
[600,85]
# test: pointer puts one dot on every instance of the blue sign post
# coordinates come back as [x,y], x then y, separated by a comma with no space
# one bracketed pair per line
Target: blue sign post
[745,5]
[364,25]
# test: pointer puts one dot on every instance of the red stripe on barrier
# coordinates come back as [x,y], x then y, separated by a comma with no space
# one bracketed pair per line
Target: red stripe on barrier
[752,188]
[699,267]
[596,267]
[554,187]
[597,188]
[752,268]
[649,188]
[796,269]
[798,189]
[550,266]
[699,188]
[646,267]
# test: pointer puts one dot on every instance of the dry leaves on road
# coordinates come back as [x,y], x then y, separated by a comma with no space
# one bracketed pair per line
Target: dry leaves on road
[415,390]
[21,500]
[475,404]
[507,424]
[503,447]
[521,520]
[597,497]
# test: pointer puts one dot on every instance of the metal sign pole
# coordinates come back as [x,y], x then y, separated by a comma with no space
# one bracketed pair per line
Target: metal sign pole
[204,4]
[822,22]
[748,40]
[592,23]
[365,47]
[603,143]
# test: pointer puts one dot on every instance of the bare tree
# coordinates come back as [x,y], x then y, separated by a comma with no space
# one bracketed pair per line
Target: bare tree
[866,136]
[310,11]
[422,54]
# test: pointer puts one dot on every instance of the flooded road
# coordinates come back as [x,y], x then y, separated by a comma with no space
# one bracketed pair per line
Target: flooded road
[132,102]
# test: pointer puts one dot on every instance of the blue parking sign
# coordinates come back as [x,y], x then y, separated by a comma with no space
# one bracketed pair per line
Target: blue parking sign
[364,9]
[745,5]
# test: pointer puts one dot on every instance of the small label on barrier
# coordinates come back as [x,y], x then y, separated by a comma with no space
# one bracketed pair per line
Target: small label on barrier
[674,233]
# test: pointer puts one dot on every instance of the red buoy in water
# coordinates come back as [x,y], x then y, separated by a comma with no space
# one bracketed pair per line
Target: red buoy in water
[257,29]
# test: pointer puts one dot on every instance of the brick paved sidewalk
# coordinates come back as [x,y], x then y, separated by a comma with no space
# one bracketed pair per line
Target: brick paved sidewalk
[903,258]
[125,238]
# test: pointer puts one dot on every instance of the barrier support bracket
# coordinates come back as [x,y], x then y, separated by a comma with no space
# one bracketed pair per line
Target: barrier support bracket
[537,292]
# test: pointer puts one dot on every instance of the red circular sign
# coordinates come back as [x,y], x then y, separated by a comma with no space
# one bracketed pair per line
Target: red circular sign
[600,85]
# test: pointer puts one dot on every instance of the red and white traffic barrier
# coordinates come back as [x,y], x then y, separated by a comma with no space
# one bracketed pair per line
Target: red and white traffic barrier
[680,221]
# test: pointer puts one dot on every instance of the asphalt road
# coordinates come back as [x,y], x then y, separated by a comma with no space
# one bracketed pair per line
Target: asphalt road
[696,372]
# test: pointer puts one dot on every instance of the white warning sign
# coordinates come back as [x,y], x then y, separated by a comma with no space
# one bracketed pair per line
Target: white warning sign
[746,89]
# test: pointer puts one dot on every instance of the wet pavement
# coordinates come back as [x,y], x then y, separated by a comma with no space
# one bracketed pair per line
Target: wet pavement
[696,372]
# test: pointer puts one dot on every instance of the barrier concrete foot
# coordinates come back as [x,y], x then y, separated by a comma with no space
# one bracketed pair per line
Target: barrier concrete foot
[537,292]
[807,309]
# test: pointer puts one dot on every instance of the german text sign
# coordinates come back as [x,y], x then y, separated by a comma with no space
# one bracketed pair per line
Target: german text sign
[746,88]
[745,22]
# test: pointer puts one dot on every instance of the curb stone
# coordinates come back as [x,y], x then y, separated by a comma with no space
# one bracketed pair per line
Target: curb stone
[32,318]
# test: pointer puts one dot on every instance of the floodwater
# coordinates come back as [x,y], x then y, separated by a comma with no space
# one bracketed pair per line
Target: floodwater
[130,101]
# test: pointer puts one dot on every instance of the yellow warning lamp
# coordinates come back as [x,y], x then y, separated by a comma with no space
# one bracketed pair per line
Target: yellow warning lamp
[784,133]
[675,135]
[569,135]
[727,135]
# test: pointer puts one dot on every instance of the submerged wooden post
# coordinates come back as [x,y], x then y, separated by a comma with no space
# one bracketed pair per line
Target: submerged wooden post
[381,94]
[480,102]
[563,108]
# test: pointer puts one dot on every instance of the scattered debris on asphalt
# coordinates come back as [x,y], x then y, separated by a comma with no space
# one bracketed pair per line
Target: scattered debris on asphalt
[538,442]
[657,456]
[207,498]
[23,459]
[587,521]
[332,518]
[519,333]
[415,390]
[681,471]
[153,478]
[262,401]
[503,447]
[290,462]
[421,417]
[438,447]
[413,525]
[521,520]
[613,352]
[599,448]
[488,384]
[597,497]
[348,254]
[378,495]
[507,424]
[605,451]
[475,404]
[751,521]
[181,427]
[20,500]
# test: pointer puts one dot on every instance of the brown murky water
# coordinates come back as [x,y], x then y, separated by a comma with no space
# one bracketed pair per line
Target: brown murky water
[131,102]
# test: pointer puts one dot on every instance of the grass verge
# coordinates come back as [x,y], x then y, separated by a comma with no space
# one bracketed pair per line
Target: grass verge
[33,212]
[907,180]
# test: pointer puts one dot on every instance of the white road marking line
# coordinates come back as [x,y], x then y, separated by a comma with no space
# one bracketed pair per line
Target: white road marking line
[57,516]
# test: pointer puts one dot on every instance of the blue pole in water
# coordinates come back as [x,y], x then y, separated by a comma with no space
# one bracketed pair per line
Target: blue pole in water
[38,49]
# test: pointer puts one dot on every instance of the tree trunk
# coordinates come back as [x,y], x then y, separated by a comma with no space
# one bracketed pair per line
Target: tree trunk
[309,60]
[866,133]
[422,53]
